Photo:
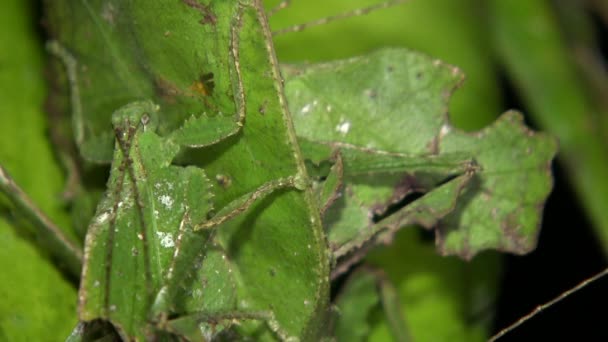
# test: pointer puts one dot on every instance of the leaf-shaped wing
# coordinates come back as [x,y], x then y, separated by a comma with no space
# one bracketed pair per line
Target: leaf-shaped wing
[502,206]
[396,100]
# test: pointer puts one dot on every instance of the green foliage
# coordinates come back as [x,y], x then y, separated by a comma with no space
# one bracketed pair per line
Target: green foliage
[210,225]
[354,306]
[37,300]
[433,289]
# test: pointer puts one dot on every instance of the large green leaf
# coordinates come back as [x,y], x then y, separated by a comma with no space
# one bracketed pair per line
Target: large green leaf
[38,302]
[212,60]
[396,100]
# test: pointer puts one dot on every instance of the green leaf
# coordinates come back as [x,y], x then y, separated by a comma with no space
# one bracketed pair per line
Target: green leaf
[38,302]
[395,100]
[441,298]
[354,305]
[392,309]
[358,300]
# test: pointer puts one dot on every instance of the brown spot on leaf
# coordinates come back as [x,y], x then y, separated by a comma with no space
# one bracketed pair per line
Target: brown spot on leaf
[511,227]
[108,13]
[262,108]
[204,85]
[406,185]
[166,90]
[371,93]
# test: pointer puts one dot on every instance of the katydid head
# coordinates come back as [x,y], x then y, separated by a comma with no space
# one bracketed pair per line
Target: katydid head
[134,114]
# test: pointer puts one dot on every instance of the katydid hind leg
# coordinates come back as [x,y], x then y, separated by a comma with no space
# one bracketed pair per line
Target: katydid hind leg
[245,202]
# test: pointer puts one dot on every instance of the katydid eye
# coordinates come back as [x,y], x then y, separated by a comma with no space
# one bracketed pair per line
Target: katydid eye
[145,119]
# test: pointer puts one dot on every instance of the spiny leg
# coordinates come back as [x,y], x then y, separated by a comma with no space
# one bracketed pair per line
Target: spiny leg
[245,202]
[343,15]
[189,326]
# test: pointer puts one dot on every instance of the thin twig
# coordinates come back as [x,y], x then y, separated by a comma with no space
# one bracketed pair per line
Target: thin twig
[283,4]
[348,14]
[60,245]
[548,304]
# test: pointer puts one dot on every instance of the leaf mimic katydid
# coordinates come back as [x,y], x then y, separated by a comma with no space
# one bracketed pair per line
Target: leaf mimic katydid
[167,267]
[157,261]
